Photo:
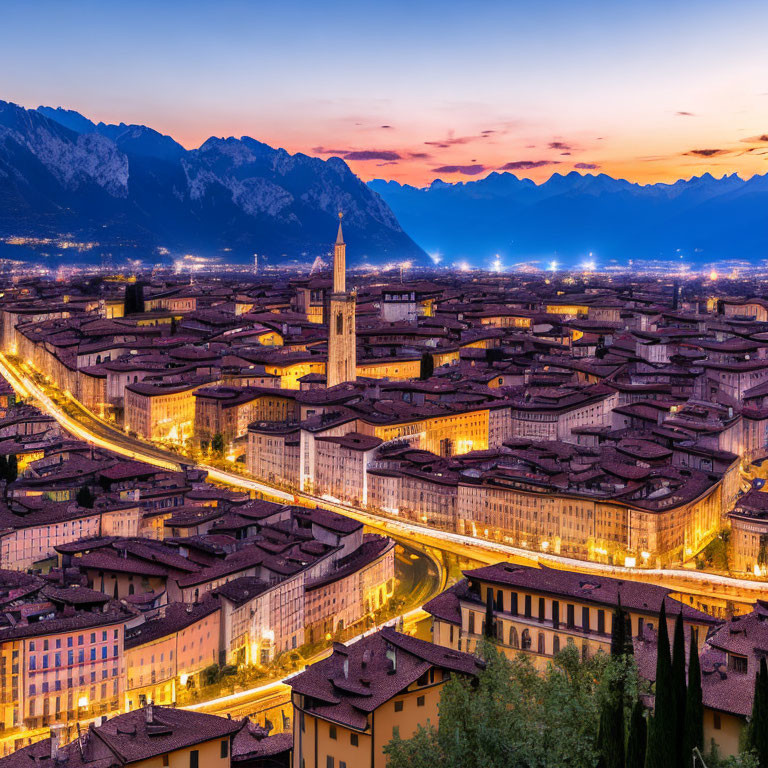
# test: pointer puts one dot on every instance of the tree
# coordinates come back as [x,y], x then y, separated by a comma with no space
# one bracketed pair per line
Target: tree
[85,498]
[757,732]
[13,468]
[638,735]
[134,299]
[679,687]
[661,730]
[427,366]
[600,349]
[512,716]
[217,444]
[489,620]
[694,708]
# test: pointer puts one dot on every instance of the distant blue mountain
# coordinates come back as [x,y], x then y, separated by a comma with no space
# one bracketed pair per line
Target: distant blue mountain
[128,186]
[704,219]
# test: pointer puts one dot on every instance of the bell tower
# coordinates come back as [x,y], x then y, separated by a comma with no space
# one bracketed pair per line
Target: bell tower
[342,341]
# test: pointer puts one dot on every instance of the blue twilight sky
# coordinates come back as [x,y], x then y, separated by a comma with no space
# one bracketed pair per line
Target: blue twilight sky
[414,90]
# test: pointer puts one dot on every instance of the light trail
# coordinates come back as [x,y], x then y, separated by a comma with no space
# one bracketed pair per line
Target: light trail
[421,534]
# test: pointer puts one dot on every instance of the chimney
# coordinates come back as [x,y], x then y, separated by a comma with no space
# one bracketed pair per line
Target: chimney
[149,714]
[392,656]
[55,741]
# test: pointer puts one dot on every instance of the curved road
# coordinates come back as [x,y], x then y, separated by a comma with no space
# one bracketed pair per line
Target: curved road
[712,592]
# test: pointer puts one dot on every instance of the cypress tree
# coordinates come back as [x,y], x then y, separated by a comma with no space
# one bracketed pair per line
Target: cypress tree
[618,630]
[638,734]
[694,708]
[661,730]
[678,685]
[489,622]
[757,734]
[611,729]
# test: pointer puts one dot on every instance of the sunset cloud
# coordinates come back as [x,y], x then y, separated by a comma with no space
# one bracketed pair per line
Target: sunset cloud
[586,166]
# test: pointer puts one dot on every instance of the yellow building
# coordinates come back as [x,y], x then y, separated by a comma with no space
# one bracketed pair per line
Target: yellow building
[161,410]
[539,611]
[350,705]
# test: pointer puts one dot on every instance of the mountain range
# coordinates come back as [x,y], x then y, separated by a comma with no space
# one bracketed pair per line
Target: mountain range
[130,187]
[702,220]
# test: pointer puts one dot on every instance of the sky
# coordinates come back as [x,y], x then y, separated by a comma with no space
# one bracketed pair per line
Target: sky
[412,91]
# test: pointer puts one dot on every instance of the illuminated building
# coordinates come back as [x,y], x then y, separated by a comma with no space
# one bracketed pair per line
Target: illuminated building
[541,611]
[162,410]
[342,351]
[349,705]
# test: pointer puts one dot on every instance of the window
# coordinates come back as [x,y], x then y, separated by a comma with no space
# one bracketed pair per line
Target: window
[420,701]
[601,622]
[166,760]
[640,623]
[737,664]
[570,616]
[556,644]
[513,609]
[329,762]
[194,759]
[224,748]
[528,606]
[513,639]
[526,640]
[399,706]
[471,625]
[332,732]
[585,619]
[717,723]
[354,740]
[542,609]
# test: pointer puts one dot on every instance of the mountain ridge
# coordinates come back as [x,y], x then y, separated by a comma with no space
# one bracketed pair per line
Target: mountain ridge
[131,186]
[569,216]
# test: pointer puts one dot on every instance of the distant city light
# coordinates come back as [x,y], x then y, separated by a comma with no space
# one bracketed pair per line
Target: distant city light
[436,258]
[464,266]
[552,266]
[713,275]
[497,264]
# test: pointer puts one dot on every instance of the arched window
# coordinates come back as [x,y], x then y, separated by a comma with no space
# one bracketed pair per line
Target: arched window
[556,644]
[514,641]
[542,643]
[526,644]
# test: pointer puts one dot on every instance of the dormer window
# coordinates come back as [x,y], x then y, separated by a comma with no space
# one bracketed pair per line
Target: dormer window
[737,663]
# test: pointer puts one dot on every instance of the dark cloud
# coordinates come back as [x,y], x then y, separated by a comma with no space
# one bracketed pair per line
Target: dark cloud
[372,154]
[707,152]
[487,132]
[586,166]
[388,162]
[419,155]
[466,170]
[360,154]
[756,139]
[385,126]
[525,165]
[567,154]
[559,145]
[684,114]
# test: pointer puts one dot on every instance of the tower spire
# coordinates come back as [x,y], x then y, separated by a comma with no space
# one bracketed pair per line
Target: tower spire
[340,236]
[339,262]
